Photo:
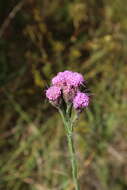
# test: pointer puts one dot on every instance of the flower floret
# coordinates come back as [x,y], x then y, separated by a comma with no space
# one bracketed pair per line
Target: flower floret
[75,79]
[68,78]
[53,93]
[81,100]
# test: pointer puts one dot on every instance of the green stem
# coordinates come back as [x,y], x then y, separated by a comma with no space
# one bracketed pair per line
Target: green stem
[69,132]
[73,160]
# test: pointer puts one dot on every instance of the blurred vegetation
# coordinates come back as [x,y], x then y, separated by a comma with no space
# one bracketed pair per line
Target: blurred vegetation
[37,40]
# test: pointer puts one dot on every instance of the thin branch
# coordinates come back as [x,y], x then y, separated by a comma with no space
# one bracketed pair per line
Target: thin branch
[11,15]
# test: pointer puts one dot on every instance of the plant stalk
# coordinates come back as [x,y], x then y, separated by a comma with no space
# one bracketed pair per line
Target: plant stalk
[69,132]
[73,160]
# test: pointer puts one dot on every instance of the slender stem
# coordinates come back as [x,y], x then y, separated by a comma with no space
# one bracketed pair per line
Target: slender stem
[63,116]
[69,131]
[73,160]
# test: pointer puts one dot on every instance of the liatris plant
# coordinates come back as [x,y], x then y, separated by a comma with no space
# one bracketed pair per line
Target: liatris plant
[66,95]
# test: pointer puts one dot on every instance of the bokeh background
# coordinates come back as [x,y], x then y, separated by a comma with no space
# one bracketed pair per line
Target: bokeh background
[39,38]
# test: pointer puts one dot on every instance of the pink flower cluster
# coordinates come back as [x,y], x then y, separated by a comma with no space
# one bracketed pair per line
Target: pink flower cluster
[67,85]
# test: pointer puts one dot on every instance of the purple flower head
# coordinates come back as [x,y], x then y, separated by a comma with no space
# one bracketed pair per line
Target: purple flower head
[53,93]
[75,79]
[58,80]
[68,78]
[61,78]
[81,101]
[66,87]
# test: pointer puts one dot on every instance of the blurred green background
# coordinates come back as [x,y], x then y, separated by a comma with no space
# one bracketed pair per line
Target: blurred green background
[39,38]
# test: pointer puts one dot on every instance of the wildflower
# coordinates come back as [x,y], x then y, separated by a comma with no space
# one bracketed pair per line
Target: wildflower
[81,101]
[65,94]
